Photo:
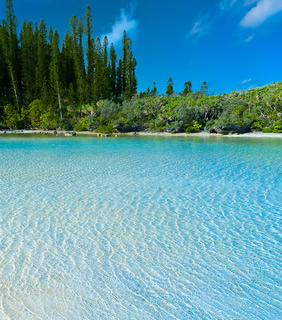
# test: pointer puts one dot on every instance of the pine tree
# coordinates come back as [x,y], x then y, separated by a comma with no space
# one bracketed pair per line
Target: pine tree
[119,78]
[41,74]
[28,61]
[80,66]
[189,83]
[9,42]
[77,33]
[169,88]
[89,52]
[129,80]
[55,70]
[68,68]
[35,39]
[126,65]
[204,88]
[4,78]
[50,35]
[133,78]
[98,73]
[154,90]
[187,88]
[113,61]
[105,71]
[124,59]
[73,50]
[73,25]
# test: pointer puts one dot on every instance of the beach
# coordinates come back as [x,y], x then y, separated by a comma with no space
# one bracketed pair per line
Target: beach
[203,134]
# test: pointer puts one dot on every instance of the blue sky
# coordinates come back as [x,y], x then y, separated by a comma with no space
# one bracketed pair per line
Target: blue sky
[230,44]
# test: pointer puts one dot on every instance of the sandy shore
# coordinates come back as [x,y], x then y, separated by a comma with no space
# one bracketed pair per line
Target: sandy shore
[161,134]
[206,134]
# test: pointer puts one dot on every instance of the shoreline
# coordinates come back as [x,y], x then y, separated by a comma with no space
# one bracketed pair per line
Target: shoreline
[202,134]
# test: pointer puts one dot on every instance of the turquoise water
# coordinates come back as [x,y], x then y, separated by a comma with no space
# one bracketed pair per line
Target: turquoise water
[140,228]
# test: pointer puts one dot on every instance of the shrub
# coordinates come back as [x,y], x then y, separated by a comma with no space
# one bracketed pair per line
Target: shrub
[195,128]
[191,129]
[15,119]
[108,109]
[49,120]
[267,130]
[36,108]
[82,125]
[257,125]
[105,128]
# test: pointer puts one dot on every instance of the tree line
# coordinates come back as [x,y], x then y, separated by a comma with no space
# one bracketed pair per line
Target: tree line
[33,67]
[81,85]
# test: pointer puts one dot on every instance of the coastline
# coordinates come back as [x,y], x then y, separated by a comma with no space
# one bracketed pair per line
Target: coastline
[202,134]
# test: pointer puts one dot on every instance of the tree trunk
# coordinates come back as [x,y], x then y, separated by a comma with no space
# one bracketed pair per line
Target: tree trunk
[14,89]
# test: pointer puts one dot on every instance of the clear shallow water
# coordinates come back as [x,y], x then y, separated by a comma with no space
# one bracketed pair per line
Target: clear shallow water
[140,228]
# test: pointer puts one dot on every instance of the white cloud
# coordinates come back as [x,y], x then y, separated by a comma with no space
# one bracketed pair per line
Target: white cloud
[262,11]
[250,38]
[123,22]
[196,28]
[246,81]
[226,4]
[200,27]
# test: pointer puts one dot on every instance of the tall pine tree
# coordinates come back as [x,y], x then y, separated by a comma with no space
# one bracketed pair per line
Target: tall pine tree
[4,78]
[10,48]
[68,68]
[41,74]
[98,73]
[28,61]
[119,78]
[89,53]
[55,81]
[169,88]
[77,34]
[113,61]
[106,71]
[129,80]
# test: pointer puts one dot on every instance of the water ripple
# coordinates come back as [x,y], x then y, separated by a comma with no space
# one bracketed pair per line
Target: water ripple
[140,229]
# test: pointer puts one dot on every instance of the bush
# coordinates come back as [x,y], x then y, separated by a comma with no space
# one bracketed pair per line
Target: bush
[82,125]
[15,119]
[133,111]
[157,125]
[210,124]
[195,128]
[257,125]
[267,130]
[191,129]
[277,126]
[36,108]
[49,120]
[108,109]
[67,127]
[105,128]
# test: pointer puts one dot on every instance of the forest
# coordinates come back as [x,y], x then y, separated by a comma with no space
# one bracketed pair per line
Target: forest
[80,84]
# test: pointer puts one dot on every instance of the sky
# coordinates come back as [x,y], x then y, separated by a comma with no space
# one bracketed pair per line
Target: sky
[230,44]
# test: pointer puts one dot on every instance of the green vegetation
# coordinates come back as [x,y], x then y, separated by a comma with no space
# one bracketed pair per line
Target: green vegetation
[257,109]
[47,87]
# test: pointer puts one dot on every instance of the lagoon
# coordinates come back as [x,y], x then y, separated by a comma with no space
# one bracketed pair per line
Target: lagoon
[140,228]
